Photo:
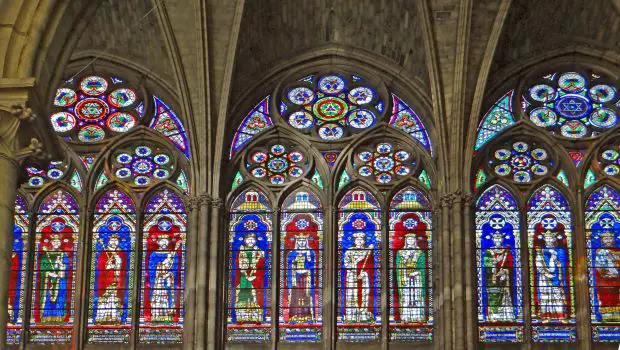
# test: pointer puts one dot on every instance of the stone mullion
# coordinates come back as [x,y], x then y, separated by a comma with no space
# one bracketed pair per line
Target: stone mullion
[446,254]
[202,235]
[437,282]
[385,309]
[137,277]
[275,277]
[580,275]
[191,253]
[80,309]
[214,300]
[328,277]
[525,278]
[29,274]
[469,268]
[457,268]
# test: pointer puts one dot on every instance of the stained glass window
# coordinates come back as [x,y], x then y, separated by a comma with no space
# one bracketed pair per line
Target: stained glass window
[498,266]
[143,165]
[38,177]
[359,242]
[301,268]
[168,124]
[17,279]
[609,159]
[549,228]
[277,163]
[602,219]
[410,263]
[55,262]
[520,161]
[384,162]
[113,241]
[405,119]
[249,269]
[163,269]
[498,118]
[256,121]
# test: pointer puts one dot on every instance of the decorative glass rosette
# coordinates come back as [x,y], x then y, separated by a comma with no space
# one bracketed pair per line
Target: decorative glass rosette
[384,163]
[520,161]
[277,164]
[39,176]
[609,160]
[572,105]
[142,165]
[331,106]
[92,108]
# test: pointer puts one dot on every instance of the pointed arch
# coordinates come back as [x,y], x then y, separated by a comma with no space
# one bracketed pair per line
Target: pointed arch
[550,246]
[301,267]
[498,266]
[410,266]
[498,118]
[112,275]
[18,272]
[250,239]
[166,122]
[359,246]
[164,228]
[602,228]
[256,121]
[405,119]
[55,261]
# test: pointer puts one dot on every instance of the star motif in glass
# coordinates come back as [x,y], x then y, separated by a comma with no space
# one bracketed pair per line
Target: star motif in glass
[384,163]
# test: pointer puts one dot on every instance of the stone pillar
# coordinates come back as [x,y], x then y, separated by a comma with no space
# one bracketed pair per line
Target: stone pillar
[458,268]
[469,239]
[201,260]
[214,267]
[189,336]
[445,239]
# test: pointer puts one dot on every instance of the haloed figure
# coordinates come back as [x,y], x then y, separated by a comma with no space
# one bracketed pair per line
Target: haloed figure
[300,264]
[498,264]
[359,264]
[411,279]
[250,258]
[608,278]
[550,260]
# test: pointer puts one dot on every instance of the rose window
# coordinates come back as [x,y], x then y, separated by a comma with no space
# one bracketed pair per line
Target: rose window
[142,164]
[277,164]
[520,161]
[331,106]
[610,160]
[38,177]
[572,105]
[384,163]
[93,108]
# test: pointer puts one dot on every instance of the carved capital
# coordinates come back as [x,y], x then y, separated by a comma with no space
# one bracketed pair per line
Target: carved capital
[194,202]
[447,200]
[21,112]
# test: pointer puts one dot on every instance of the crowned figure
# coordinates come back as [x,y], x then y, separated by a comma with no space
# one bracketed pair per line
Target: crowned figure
[411,280]
[607,273]
[300,262]
[550,276]
[111,282]
[249,282]
[359,276]
[54,275]
[498,269]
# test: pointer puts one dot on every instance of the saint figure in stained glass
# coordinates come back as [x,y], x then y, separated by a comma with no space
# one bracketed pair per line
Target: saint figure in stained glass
[301,264]
[250,277]
[607,274]
[411,280]
[359,276]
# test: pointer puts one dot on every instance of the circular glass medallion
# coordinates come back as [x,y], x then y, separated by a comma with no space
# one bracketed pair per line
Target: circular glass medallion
[259,157]
[573,106]
[142,181]
[278,149]
[520,147]
[522,177]
[331,84]
[301,120]
[384,163]
[55,174]
[91,133]
[571,82]
[603,118]
[543,117]
[295,171]
[521,161]
[277,165]
[142,166]
[610,155]
[502,154]
[301,95]
[93,85]
[539,154]
[365,170]
[602,93]
[62,121]
[502,170]
[402,170]
[573,129]
[364,156]
[331,132]
[161,159]
[384,148]
[361,95]
[384,178]
[330,108]
[542,93]
[122,98]
[65,97]
[401,156]
[36,181]
[295,156]
[123,173]
[161,173]
[121,122]
[124,158]
[361,119]
[276,179]
[143,151]
[611,170]
[259,172]
[539,170]
[91,109]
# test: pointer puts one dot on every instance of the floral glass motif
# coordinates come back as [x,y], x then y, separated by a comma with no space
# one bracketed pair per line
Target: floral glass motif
[359,246]
[143,165]
[37,177]
[549,228]
[249,269]
[572,105]
[410,263]
[609,160]
[163,269]
[384,163]
[405,119]
[90,109]
[112,276]
[55,263]
[168,124]
[602,219]
[331,106]
[498,266]
[301,268]
[498,118]
[256,121]
[18,272]
[521,161]
[277,164]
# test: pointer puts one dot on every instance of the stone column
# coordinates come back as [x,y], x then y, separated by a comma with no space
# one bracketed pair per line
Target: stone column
[457,271]
[193,231]
[469,238]
[215,261]
[201,260]
[445,263]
